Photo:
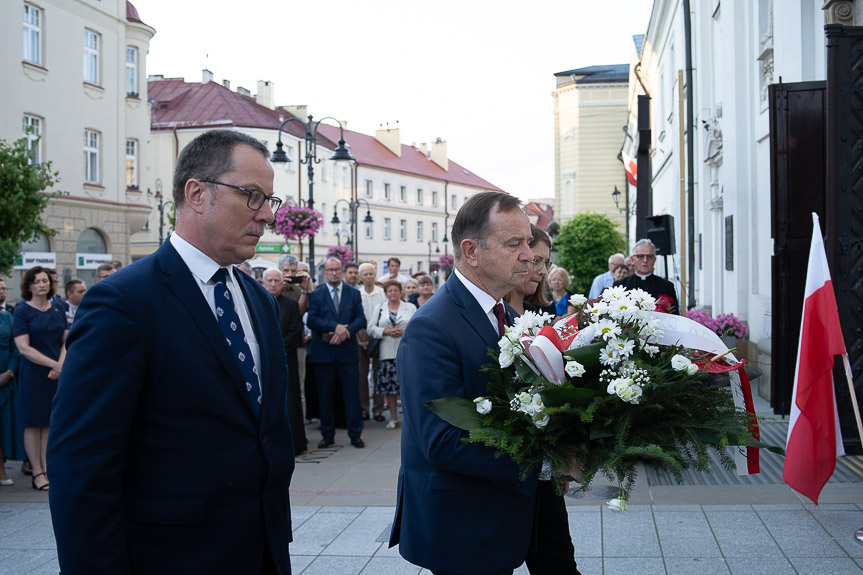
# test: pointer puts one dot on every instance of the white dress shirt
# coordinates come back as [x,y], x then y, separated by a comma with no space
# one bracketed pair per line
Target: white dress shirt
[485,301]
[203,268]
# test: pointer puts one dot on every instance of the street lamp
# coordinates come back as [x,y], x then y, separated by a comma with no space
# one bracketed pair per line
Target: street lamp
[354,207]
[615,195]
[436,250]
[162,206]
[311,158]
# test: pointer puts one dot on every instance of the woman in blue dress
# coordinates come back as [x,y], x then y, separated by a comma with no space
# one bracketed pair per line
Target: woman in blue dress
[39,328]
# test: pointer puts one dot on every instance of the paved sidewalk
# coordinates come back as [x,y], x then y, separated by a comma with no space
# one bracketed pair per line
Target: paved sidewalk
[343,502]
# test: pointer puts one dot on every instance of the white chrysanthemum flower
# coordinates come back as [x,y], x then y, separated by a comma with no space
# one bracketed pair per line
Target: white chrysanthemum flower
[680,363]
[608,328]
[610,355]
[625,347]
[644,300]
[577,300]
[597,310]
[574,369]
[483,405]
[622,308]
[613,293]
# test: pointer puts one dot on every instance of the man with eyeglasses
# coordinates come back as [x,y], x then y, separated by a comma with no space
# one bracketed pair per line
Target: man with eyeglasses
[170,446]
[335,317]
[644,256]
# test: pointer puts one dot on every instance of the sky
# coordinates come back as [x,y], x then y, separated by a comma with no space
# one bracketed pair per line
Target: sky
[478,74]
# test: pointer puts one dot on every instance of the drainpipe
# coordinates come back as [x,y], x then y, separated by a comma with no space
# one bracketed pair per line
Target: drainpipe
[690,153]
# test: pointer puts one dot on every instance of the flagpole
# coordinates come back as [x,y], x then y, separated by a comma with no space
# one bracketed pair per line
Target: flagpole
[853,395]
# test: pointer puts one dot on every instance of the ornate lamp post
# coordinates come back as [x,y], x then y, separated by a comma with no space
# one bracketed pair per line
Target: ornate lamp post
[436,250]
[311,158]
[354,207]
[162,206]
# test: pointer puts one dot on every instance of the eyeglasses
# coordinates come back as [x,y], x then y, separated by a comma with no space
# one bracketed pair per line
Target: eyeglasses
[539,263]
[256,197]
[332,270]
[644,257]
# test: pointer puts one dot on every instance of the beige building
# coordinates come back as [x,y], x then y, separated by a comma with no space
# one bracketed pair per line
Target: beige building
[590,110]
[74,72]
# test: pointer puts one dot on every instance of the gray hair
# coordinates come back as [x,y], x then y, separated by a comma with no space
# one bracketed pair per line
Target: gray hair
[268,270]
[303,266]
[612,257]
[366,265]
[337,260]
[288,260]
[247,267]
[644,242]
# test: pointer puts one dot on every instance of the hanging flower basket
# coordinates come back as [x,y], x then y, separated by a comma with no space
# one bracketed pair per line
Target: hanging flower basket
[343,253]
[294,222]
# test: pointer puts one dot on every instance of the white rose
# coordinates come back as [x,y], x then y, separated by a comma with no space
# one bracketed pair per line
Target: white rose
[505,344]
[574,369]
[541,421]
[536,403]
[691,369]
[577,300]
[679,362]
[483,405]
[617,505]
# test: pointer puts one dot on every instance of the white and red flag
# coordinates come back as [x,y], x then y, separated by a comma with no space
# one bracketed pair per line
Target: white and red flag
[814,438]
[631,169]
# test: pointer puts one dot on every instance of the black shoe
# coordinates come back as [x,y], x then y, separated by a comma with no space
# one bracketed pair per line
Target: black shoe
[366,417]
[379,417]
[357,442]
[324,443]
[26,468]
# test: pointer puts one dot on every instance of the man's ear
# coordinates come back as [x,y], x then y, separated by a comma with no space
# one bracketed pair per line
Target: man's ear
[469,249]
[194,192]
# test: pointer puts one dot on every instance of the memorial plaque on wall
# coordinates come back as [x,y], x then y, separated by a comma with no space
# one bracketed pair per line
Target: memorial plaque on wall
[729,243]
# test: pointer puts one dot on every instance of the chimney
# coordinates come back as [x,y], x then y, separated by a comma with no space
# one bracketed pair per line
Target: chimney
[438,154]
[265,94]
[297,110]
[390,139]
[206,76]
[424,148]
[226,84]
[243,91]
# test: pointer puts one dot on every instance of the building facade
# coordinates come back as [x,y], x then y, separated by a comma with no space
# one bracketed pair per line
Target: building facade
[737,49]
[590,107]
[95,135]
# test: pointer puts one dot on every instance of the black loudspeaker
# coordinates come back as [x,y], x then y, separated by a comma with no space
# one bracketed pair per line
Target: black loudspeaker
[660,230]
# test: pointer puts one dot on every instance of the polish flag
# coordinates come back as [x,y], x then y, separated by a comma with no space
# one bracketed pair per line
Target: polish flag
[814,439]
[631,169]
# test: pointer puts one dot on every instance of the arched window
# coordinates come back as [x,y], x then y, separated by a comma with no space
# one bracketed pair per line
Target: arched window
[91,241]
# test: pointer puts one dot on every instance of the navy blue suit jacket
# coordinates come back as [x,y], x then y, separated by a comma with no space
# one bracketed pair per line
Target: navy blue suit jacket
[323,318]
[158,464]
[461,509]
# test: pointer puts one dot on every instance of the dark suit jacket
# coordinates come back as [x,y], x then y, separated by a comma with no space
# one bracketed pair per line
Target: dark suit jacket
[323,318]
[158,464]
[461,509]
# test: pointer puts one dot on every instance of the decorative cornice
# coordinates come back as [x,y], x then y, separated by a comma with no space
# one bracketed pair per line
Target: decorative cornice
[841,12]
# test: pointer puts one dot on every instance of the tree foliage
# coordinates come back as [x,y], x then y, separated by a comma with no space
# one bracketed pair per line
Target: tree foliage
[583,246]
[22,199]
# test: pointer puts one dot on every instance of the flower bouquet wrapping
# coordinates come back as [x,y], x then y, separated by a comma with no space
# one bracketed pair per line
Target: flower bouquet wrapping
[609,387]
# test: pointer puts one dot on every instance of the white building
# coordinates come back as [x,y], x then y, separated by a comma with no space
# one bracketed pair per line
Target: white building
[738,49]
[74,72]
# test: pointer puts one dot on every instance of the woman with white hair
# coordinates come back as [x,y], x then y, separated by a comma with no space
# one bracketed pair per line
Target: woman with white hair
[558,281]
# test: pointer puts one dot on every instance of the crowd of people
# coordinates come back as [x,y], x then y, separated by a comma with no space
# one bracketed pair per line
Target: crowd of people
[176,363]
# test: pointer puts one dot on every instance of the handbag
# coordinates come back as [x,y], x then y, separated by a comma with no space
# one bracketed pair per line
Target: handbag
[374,347]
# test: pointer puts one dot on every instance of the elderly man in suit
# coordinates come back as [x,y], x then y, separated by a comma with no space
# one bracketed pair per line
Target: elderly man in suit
[335,317]
[170,449]
[462,509]
[644,256]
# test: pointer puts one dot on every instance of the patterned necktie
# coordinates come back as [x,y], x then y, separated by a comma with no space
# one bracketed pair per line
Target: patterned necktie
[229,321]
[501,318]
[336,298]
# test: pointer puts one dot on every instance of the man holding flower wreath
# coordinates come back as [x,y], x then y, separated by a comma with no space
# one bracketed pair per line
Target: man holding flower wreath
[461,508]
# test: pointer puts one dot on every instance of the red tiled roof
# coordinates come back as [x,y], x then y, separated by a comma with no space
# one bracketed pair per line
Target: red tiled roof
[369,152]
[181,104]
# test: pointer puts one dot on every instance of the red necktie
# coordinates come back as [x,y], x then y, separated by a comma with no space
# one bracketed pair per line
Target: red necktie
[501,318]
